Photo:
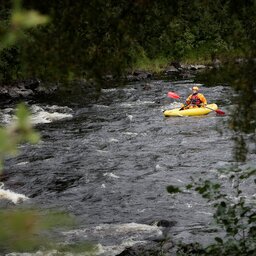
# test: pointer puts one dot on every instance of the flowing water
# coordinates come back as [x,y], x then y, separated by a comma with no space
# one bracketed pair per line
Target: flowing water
[109,162]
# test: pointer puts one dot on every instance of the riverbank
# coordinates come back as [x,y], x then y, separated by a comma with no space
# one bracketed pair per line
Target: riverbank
[29,89]
[32,89]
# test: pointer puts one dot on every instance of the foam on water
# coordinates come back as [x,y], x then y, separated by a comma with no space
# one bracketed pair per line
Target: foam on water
[126,105]
[98,106]
[22,163]
[113,140]
[109,90]
[139,102]
[131,233]
[12,196]
[102,151]
[123,228]
[172,105]
[46,117]
[6,115]
[39,114]
[118,89]
[130,133]
[128,89]
[136,103]
[205,213]
[117,249]
[48,114]
[48,253]
[130,117]
[111,175]
[126,228]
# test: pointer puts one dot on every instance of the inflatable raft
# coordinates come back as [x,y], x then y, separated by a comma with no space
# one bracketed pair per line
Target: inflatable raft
[191,112]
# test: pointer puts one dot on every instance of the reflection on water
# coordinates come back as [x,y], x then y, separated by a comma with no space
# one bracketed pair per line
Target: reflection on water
[242,121]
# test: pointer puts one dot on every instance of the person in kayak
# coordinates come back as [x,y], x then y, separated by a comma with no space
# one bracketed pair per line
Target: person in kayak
[194,100]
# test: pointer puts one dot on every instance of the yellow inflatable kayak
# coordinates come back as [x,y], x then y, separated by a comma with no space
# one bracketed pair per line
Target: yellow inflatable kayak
[191,112]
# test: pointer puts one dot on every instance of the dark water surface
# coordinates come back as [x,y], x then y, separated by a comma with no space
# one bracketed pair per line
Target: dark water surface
[110,164]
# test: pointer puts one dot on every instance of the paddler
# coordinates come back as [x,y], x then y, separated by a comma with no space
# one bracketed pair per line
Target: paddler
[194,100]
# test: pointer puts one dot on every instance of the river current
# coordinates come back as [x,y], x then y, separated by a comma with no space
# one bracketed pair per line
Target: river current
[109,162]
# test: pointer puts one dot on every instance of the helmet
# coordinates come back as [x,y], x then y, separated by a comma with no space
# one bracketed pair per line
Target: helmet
[195,88]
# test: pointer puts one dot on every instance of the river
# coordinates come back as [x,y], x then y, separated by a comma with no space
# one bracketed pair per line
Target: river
[109,160]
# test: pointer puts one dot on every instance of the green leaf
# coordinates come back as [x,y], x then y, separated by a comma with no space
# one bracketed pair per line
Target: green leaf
[28,19]
[219,240]
[252,231]
[84,248]
[216,186]
[252,218]
[223,204]
[189,186]
[57,219]
[201,190]
[33,137]
[172,189]
[22,113]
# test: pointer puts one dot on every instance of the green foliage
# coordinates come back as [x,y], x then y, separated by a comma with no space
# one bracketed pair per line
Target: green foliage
[83,248]
[14,22]
[233,213]
[25,230]
[242,116]
[234,206]
[14,28]
[20,131]
[172,189]
[17,230]
[90,40]
[155,66]
[29,231]
[9,64]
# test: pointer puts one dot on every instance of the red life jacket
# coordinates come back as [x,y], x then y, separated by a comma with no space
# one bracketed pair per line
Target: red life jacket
[195,99]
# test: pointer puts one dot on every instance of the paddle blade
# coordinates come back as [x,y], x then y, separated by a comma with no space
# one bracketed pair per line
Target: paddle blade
[220,112]
[173,95]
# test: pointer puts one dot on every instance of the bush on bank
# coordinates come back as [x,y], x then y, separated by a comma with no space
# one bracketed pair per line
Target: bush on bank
[90,40]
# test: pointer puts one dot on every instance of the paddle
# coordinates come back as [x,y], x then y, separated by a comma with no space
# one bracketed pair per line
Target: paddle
[176,96]
[218,111]
[173,95]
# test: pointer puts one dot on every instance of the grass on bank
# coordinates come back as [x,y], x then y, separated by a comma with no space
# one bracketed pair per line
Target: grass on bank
[203,55]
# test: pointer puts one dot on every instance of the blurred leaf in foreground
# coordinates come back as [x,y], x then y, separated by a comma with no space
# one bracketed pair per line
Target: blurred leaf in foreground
[20,131]
[20,19]
[25,230]
[30,231]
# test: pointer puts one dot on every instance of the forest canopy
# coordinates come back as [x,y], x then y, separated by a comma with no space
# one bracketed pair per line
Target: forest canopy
[88,39]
